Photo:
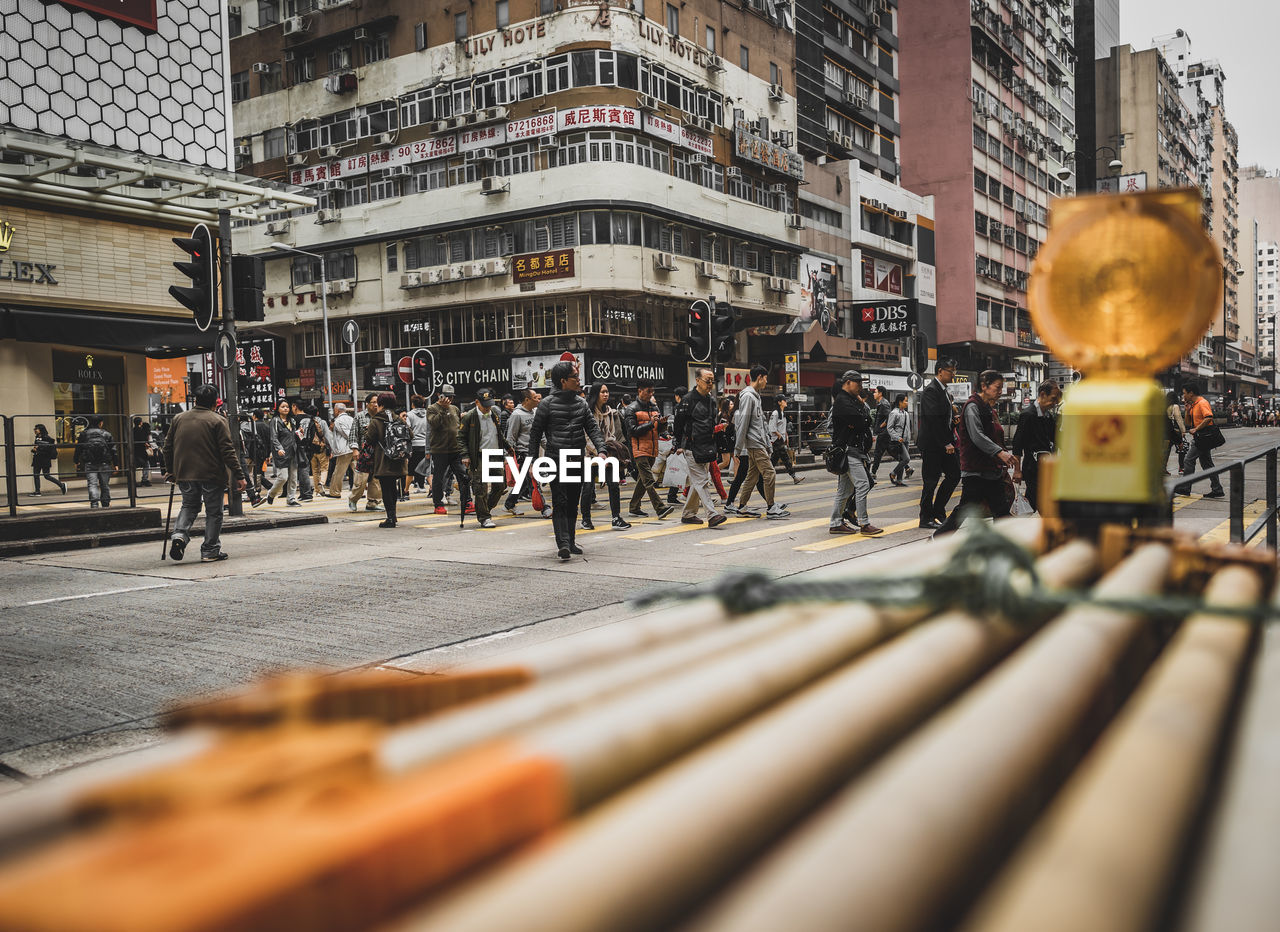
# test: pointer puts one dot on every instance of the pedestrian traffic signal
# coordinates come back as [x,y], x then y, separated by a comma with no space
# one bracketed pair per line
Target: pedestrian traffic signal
[201,296]
[248,280]
[424,373]
[724,324]
[699,338]
[919,352]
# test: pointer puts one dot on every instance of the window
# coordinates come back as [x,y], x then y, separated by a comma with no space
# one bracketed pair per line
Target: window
[744,58]
[304,69]
[273,144]
[773,73]
[504,17]
[268,12]
[340,58]
[377,48]
[420,36]
[233,23]
[239,86]
[547,6]
[673,20]
[460,26]
[272,81]
[711,39]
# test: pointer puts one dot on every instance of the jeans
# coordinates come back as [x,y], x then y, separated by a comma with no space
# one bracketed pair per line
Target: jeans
[195,494]
[445,465]
[760,469]
[935,466]
[302,469]
[1206,462]
[645,483]
[99,485]
[701,489]
[47,471]
[855,482]
[565,497]
[286,474]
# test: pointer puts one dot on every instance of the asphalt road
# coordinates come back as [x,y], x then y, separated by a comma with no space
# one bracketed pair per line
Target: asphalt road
[95,644]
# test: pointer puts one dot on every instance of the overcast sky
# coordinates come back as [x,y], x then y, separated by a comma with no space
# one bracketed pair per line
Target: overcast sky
[1242,35]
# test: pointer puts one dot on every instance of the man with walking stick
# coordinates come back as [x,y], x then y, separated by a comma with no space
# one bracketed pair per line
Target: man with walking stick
[198,454]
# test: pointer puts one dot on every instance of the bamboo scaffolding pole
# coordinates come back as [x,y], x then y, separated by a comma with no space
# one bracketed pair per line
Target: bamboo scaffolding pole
[893,851]
[1106,854]
[642,870]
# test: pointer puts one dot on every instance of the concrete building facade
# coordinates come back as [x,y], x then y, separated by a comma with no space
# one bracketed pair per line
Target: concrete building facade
[504,182]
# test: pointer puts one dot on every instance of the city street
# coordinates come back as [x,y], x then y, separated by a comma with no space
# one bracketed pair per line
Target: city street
[97,643]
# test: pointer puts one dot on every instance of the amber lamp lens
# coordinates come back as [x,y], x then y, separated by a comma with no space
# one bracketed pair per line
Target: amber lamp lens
[1125,284]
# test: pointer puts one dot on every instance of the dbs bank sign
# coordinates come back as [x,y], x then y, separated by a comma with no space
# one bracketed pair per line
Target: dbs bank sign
[884,320]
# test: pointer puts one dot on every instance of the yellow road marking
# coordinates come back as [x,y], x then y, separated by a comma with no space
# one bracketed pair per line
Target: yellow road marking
[783,528]
[1222,533]
[846,539]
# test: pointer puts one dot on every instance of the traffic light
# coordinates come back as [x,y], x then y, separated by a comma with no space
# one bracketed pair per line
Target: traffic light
[724,323]
[248,279]
[424,373]
[699,338]
[201,296]
[919,352]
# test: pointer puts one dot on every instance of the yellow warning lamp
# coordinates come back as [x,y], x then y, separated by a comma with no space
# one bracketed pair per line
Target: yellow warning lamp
[1123,287]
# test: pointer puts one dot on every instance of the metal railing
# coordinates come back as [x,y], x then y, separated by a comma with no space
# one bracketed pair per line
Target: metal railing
[1235,471]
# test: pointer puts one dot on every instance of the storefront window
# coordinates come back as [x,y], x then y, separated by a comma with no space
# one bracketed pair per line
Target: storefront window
[85,384]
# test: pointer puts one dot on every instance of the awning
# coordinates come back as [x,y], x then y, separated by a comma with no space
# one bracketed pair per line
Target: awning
[159,337]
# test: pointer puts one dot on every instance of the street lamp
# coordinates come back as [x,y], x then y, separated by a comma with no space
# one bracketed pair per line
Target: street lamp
[1115,164]
[324,314]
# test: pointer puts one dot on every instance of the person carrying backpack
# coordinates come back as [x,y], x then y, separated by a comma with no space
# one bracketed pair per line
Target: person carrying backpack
[389,440]
[96,457]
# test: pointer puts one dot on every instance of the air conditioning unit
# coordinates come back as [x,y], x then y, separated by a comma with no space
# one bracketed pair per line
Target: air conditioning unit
[399,171]
[846,140]
[340,286]
[296,159]
[243,152]
[875,20]
[411,280]
[457,272]
[277,227]
[437,126]
[261,67]
[715,64]
[706,270]
[328,152]
[328,215]
[876,204]
[361,34]
[480,155]
[776,92]
[386,139]
[493,185]
[647,102]
[480,269]
[739,277]
[795,221]
[289,55]
[333,186]
[777,189]
[665,262]
[547,142]
[437,276]
[733,171]
[780,285]
[501,266]
[295,24]
[491,114]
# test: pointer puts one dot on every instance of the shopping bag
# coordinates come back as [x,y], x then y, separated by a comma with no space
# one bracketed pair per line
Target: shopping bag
[538,502]
[677,474]
[1021,505]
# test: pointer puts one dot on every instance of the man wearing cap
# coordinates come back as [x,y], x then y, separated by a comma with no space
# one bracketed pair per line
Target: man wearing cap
[198,454]
[446,452]
[937,447]
[480,432]
[851,429]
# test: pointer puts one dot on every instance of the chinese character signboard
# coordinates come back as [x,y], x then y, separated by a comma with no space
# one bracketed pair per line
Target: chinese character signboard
[883,320]
[576,118]
[541,266]
[681,135]
[1124,184]
[256,361]
[334,171]
[752,148]
[482,136]
[542,124]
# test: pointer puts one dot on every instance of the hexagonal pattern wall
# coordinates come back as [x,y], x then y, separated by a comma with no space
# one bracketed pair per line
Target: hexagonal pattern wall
[65,72]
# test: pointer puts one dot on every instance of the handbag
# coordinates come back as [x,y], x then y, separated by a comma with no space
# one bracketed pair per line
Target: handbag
[364,459]
[1209,437]
[836,460]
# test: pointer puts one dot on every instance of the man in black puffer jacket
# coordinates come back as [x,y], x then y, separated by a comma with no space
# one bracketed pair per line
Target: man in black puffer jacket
[696,438]
[562,422]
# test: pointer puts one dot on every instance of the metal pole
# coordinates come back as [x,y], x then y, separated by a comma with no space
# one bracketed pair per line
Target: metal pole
[11,467]
[1271,498]
[1236,475]
[231,374]
[324,314]
[355,408]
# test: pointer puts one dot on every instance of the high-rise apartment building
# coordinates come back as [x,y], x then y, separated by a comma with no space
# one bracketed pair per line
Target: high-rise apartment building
[1259,233]
[1267,276]
[992,168]
[1097,26]
[503,181]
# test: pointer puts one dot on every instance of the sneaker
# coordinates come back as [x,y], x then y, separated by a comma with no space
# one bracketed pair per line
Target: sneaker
[730,510]
[910,472]
[41,494]
[897,481]
[546,512]
[587,525]
[575,549]
[294,504]
[797,479]
[352,506]
[511,511]
[487,523]
[470,509]
[271,500]
[666,511]
[386,524]
[441,510]
[870,530]
[1215,493]
[844,527]
[640,514]
[563,553]
[931,525]
[716,520]
[690,519]
[213,557]
[620,524]
[177,547]
[747,513]
[777,513]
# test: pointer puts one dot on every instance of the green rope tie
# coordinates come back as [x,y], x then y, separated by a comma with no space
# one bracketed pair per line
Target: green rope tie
[988,575]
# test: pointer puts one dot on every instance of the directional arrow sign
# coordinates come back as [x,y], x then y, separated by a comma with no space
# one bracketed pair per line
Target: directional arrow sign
[350,332]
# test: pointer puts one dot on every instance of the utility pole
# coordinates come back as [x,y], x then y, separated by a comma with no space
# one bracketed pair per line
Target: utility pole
[231,374]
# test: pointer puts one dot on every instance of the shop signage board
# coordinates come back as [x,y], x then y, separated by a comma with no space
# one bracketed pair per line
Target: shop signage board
[881,275]
[88,368]
[257,382]
[383,376]
[883,320]
[1123,184]
[541,124]
[630,370]
[542,266]
[671,131]
[576,118]
[752,148]
[482,137]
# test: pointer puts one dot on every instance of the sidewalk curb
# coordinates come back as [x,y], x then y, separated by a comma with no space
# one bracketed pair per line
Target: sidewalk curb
[23,548]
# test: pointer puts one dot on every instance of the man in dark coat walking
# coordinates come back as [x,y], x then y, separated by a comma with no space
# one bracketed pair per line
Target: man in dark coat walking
[198,454]
[1036,434]
[937,446]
